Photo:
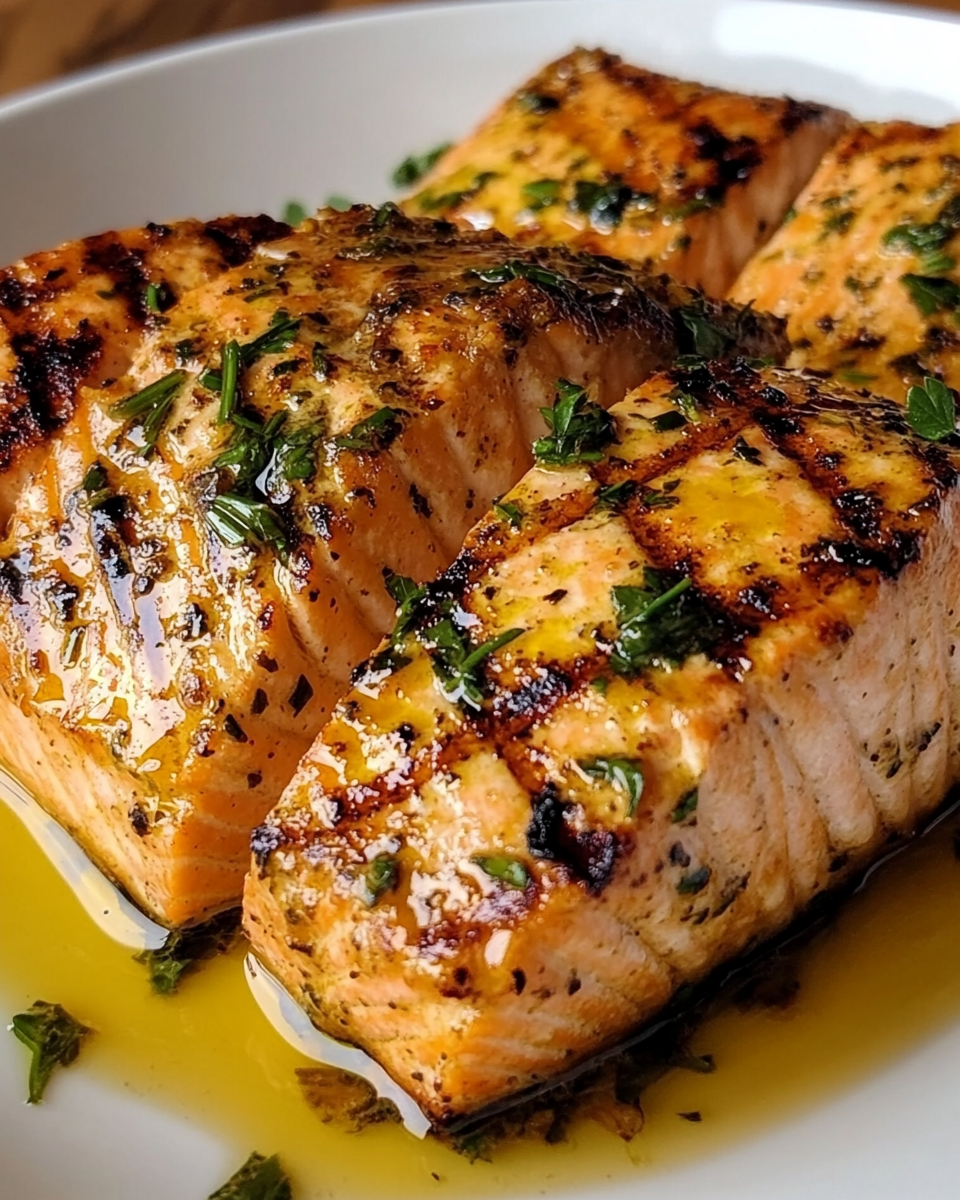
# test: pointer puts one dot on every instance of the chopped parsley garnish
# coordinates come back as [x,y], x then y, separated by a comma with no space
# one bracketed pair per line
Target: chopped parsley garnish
[686,806]
[931,294]
[321,364]
[659,624]
[508,870]
[241,521]
[415,166]
[507,511]
[456,664]
[932,410]
[702,336]
[623,773]
[375,432]
[339,203]
[53,1038]
[926,240]
[694,881]
[614,495]
[184,949]
[668,421]
[294,212]
[517,269]
[407,594]
[652,498]
[95,483]
[602,202]
[433,203]
[838,222]
[379,878]
[685,403]
[579,428]
[743,449]
[152,405]
[259,1178]
[541,193]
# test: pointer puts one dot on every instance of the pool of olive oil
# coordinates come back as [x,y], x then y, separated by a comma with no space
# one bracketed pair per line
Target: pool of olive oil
[880,979]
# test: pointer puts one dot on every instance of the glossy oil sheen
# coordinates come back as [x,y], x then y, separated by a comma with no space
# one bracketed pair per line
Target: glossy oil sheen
[881,979]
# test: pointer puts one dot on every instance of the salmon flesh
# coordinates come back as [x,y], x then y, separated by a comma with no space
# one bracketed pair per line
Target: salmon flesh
[615,159]
[665,697]
[214,441]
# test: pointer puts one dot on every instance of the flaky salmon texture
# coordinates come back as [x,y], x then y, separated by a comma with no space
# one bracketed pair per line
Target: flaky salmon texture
[214,440]
[697,668]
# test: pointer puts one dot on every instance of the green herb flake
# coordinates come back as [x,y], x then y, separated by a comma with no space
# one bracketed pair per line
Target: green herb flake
[624,773]
[579,428]
[508,870]
[931,294]
[541,193]
[229,373]
[659,624]
[701,336]
[294,212]
[852,375]
[509,512]
[184,949]
[375,432]
[603,202]
[694,881]
[379,878]
[95,479]
[457,666]
[652,498]
[600,684]
[238,520]
[685,403]
[53,1038]
[838,222]
[415,166]
[932,410]
[742,449]
[259,1178]
[517,269]
[152,406]
[615,495]
[668,421]
[686,806]
[157,297]
[339,203]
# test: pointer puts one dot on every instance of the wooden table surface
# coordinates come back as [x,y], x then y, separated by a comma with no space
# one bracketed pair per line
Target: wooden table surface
[41,39]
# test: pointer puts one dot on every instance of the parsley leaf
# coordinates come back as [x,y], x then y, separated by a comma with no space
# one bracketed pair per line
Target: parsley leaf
[152,405]
[375,432]
[415,166]
[623,773]
[294,212]
[694,881]
[686,806]
[517,269]
[508,870]
[659,624]
[603,202]
[932,410]
[259,1178]
[241,521]
[931,294]
[506,510]
[457,665]
[541,193]
[579,428]
[926,240]
[701,336]
[229,373]
[184,949]
[407,595]
[614,495]
[53,1037]
[379,878]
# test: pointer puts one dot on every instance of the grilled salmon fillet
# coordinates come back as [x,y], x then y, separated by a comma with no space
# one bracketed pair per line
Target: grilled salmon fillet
[865,268]
[618,160]
[194,555]
[666,695]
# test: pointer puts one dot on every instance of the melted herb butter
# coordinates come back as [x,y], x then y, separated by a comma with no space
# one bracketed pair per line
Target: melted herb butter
[883,979]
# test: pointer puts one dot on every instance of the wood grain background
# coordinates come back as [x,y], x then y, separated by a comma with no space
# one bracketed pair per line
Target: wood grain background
[41,39]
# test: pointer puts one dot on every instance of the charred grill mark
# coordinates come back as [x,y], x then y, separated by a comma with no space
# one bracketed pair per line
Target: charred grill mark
[124,267]
[734,159]
[48,372]
[589,854]
[236,238]
[537,696]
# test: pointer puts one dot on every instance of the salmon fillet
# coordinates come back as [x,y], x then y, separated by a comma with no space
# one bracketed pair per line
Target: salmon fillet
[658,704]
[865,269]
[618,160]
[194,556]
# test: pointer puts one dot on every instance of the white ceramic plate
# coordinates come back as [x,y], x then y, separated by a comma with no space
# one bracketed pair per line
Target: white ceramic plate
[246,123]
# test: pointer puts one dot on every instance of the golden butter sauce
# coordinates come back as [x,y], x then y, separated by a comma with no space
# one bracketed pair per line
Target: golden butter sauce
[881,979]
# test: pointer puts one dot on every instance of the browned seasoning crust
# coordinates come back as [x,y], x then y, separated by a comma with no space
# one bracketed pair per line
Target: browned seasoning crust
[469,893]
[160,673]
[615,159]
[865,268]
